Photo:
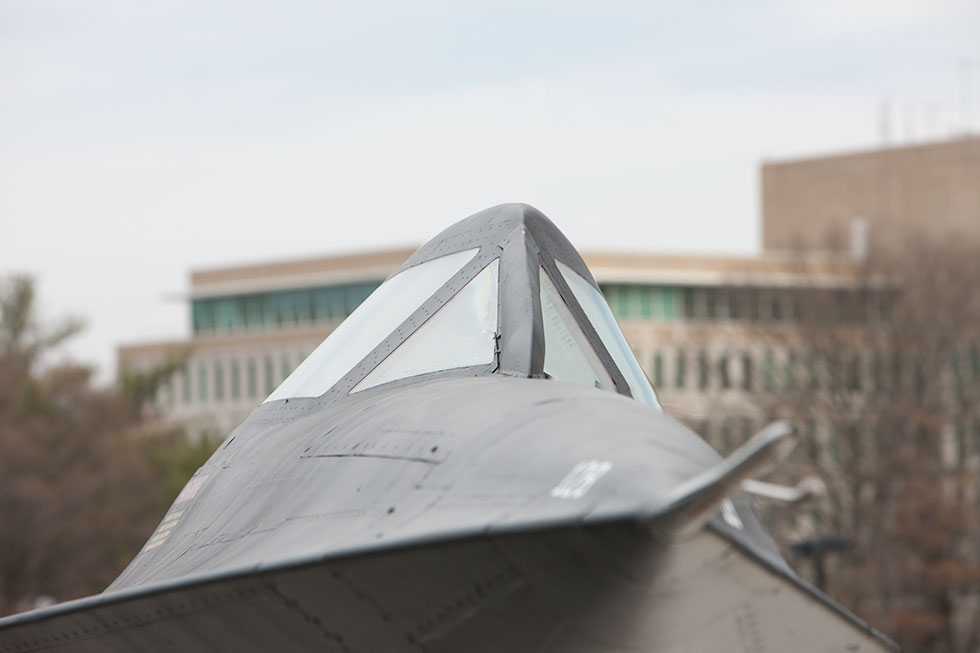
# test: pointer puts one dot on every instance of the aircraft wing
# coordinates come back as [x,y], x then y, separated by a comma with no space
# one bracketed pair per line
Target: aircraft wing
[575,570]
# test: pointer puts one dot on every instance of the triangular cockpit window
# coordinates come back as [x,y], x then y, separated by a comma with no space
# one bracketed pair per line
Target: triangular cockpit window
[442,314]
[460,334]
[567,354]
[373,321]
[597,310]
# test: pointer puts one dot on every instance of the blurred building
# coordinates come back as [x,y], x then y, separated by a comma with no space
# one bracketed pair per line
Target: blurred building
[708,330]
[850,202]
[695,322]
[251,325]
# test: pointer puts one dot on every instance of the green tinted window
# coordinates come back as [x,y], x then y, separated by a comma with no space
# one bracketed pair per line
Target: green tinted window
[666,303]
[203,315]
[228,314]
[254,317]
[302,305]
[283,307]
[646,302]
[322,304]
[279,308]
[338,303]
[637,299]
[674,306]
[641,302]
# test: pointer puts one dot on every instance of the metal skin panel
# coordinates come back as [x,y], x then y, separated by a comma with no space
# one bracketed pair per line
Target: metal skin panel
[448,456]
[582,590]
[477,509]
[270,500]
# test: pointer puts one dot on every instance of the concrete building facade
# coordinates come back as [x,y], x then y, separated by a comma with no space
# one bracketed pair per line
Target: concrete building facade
[696,324]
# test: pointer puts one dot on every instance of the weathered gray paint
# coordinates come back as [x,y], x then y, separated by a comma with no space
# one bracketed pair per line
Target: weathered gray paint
[419,515]
[604,588]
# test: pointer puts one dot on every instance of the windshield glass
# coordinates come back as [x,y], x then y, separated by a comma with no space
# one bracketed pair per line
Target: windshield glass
[601,317]
[460,334]
[567,353]
[380,314]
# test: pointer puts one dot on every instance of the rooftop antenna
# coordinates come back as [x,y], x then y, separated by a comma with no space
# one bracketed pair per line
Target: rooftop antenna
[908,116]
[931,112]
[884,123]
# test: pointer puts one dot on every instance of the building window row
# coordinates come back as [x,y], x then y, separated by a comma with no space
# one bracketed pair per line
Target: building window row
[744,303]
[643,302]
[278,308]
[628,302]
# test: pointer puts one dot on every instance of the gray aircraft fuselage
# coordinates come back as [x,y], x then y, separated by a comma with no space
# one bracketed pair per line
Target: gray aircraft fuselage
[487,507]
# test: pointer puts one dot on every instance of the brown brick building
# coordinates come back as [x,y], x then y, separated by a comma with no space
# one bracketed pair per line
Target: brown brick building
[822,202]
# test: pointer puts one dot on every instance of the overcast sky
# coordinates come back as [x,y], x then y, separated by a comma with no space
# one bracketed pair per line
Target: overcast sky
[140,140]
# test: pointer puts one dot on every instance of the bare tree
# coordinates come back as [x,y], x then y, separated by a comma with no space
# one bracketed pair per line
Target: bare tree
[883,379]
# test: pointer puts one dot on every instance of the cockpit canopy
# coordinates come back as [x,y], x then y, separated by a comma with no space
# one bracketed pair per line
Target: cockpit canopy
[501,292]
